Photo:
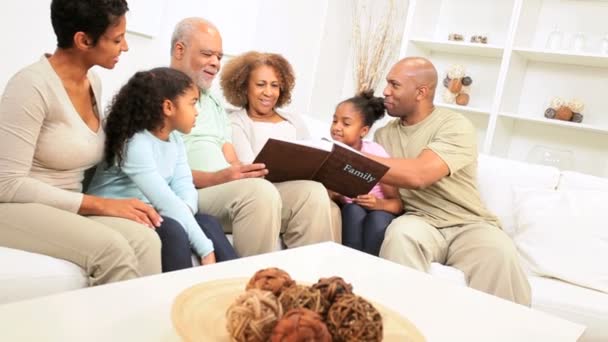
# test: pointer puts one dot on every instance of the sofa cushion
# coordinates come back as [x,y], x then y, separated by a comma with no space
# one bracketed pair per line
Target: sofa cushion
[564,234]
[497,177]
[574,303]
[571,180]
[26,275]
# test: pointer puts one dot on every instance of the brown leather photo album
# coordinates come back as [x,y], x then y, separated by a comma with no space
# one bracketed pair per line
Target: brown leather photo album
[339,168]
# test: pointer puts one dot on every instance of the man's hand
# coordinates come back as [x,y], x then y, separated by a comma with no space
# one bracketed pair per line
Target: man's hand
[204,179]
[235,172]
[132,209]
[334,196]
[208,259]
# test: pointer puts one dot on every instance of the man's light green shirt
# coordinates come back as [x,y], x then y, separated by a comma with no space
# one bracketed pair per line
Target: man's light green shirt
[212,131]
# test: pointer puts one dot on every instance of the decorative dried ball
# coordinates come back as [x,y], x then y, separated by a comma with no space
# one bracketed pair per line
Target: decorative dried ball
[576,105]
[577,117]
[466,81]
[550,113]
[556,102]
[455,37]
[456,71]
[446,81]
[462,99]
[271,279]
[332,288]
[300,325]
[449,97]
[479,39]
[352,318]
[455,85]
[253,315]
[563,113]
[301,296]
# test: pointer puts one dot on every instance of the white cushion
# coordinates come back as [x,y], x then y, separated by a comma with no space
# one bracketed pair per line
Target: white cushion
[574,303]
[571,180]
[26,275]
[498,177]
[563,234]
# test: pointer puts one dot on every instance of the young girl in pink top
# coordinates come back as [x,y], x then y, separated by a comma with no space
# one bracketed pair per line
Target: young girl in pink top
[364,218]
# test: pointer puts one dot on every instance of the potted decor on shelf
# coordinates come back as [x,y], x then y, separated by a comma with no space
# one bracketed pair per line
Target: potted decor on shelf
[565,110]
[457,85]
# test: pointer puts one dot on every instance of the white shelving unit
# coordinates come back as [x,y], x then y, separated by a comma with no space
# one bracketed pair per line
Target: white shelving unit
[515,75]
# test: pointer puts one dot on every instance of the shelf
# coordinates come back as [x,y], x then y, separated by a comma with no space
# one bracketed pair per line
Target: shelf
[463,109]
[559,123]
[564,57]
[461,48]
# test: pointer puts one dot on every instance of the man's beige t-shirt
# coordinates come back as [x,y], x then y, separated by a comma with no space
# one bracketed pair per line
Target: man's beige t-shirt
[453,200]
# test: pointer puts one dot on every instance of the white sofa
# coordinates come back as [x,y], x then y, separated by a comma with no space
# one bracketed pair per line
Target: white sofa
[26,275]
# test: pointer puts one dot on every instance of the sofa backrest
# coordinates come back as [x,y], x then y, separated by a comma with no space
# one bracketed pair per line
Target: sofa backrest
[571,180]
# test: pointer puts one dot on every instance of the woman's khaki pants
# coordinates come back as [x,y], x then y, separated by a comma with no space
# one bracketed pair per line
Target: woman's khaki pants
[107,248]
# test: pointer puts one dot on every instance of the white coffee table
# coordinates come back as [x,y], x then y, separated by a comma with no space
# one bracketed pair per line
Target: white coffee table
[139,310]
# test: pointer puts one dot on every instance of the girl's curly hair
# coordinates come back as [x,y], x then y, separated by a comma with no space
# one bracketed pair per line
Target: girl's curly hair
[235,77]
[138,105]
[370,106]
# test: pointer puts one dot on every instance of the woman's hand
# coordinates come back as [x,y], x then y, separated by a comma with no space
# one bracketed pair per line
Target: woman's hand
[208,259]
[132,209]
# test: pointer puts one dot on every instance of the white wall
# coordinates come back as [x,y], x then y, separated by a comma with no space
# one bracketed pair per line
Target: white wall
[298,29]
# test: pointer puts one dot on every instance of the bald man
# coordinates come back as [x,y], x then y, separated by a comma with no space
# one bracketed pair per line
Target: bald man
[435,169]
[254,210]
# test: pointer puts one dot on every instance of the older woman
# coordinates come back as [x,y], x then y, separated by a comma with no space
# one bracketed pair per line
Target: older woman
[260,83]
[50,118]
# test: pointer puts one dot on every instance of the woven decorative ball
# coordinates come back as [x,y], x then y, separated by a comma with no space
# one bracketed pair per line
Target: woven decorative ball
[577,117]
[455,85]
[253,315]
[449,97]
[300,325]
[462,99]
[550,113]
[306,297]
[332,288]
[563,113]
[271,279]
[446,81]
[467,81]
[352,318]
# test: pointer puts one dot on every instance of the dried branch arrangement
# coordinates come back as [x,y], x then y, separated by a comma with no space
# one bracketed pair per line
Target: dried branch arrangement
[376,39]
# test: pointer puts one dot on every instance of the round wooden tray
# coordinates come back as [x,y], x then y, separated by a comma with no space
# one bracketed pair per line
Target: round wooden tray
[199,313]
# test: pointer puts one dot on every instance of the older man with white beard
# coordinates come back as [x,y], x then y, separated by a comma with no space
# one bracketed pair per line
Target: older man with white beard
[248,206]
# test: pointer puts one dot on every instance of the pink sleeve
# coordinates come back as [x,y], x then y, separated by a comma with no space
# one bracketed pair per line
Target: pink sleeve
[374,148]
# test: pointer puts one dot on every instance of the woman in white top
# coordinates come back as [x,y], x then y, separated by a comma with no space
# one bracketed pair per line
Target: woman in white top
[259,84]
[51,132]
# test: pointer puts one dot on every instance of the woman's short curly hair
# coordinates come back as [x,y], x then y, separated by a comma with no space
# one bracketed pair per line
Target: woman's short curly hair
[235,77]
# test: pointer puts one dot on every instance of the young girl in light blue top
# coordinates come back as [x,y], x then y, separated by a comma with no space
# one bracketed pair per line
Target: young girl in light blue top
[145,158]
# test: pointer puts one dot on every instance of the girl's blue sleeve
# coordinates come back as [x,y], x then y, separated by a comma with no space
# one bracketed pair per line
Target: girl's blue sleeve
[182,183]
[140,166]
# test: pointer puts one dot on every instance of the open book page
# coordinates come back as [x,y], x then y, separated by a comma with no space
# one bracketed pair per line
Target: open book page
[331,141]
[322,144]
